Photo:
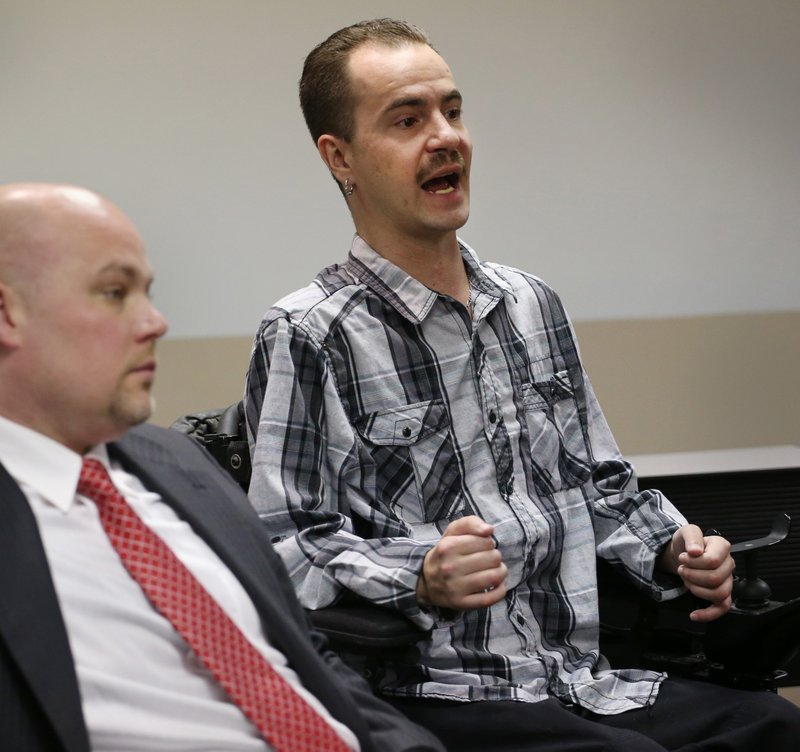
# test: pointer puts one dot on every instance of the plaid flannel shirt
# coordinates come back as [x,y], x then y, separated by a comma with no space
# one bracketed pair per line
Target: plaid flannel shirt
[379,412]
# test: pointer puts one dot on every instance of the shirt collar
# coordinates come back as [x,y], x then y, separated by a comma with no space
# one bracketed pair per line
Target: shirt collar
[42,464]
[408,296]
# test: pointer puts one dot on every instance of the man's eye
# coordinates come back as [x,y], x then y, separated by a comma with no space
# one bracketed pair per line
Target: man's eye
[114,293]
[454,113]
[407,122]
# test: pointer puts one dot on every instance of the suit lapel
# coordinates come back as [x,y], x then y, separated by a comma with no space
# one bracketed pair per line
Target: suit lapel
[195,493]
[31,623]
[222,520]
[188,479]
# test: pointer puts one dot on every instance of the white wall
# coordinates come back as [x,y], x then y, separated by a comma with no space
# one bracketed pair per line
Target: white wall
[641,155]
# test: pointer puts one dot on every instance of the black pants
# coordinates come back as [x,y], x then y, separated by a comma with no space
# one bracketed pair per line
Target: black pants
[689,716]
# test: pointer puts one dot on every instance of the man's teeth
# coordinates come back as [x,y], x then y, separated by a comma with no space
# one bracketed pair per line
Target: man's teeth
[441,185]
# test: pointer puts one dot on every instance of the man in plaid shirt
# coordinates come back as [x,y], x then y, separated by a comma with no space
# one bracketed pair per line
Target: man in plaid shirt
[425,437]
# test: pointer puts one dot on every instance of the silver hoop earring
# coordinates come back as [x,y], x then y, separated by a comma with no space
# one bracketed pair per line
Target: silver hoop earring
[348,189]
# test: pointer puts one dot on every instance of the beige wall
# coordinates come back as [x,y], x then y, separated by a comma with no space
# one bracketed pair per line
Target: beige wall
[199,374]
[684,384]
[681,384]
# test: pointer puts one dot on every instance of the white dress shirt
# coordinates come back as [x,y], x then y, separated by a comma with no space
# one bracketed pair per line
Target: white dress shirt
[141,686]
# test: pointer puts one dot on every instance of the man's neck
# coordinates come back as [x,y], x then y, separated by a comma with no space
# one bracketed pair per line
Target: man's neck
[437,265]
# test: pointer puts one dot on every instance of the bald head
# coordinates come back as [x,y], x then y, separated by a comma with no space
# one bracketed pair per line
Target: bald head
[77,326]
[33,220]
[36,195]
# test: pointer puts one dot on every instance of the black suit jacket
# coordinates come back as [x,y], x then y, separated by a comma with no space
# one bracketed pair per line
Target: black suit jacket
[40,705]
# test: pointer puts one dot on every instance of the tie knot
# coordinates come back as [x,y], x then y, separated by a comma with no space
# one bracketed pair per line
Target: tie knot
[94,480]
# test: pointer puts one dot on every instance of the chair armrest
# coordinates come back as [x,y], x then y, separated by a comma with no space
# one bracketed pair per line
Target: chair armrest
[361,628]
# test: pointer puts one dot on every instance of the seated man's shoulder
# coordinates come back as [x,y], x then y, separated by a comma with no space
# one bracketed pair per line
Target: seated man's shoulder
[314,307]
[516,278]
[148,437]
[154,447]
[327,284]
[527,289]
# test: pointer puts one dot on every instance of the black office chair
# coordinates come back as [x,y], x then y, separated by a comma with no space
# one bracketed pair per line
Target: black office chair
[746,648]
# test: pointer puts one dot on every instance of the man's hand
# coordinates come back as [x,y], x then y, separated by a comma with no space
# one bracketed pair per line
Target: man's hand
[705,565]
[463,570]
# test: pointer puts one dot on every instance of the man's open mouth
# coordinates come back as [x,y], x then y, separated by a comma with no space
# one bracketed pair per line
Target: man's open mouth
[441,184]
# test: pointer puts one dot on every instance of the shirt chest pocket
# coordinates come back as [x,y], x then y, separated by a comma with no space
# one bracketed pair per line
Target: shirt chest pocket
[415,464]
[557,444]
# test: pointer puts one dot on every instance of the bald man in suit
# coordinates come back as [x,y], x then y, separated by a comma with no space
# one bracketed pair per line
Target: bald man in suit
[86,660]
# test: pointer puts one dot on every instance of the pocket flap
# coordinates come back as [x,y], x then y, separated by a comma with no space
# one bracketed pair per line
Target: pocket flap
[403,425]
[548,391]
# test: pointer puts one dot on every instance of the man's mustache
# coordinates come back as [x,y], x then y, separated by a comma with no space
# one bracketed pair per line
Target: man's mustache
[441,159]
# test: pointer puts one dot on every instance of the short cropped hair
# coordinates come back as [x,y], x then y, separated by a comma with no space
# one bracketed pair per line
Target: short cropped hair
[326,98]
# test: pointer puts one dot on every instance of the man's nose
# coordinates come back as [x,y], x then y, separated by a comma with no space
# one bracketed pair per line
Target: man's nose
[154,323]
[445,135]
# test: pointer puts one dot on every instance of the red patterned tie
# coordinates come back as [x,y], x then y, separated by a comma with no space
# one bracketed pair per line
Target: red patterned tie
[284,718]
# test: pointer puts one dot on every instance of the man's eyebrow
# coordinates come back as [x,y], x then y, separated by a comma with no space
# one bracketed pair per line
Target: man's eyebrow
[127,270]
[401,102]
[454,95]
[113,267]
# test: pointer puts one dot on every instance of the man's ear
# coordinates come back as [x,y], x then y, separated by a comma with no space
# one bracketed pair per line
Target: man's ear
[333,151]
[10,318]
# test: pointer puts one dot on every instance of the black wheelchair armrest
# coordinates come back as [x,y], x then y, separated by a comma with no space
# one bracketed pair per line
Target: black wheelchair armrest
[367,637]
[358,627]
